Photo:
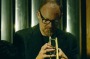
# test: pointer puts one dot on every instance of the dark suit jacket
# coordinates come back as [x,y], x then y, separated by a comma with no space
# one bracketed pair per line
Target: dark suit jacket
[7,50]
[29,42]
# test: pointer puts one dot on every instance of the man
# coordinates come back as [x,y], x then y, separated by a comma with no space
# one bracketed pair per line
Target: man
[33,43]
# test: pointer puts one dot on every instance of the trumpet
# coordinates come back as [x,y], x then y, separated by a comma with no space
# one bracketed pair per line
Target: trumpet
[56,46]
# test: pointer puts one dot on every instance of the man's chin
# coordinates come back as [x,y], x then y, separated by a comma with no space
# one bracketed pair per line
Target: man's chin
[48,34]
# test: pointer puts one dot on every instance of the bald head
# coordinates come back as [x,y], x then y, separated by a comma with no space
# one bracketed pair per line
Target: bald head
[43,2]
[50,9]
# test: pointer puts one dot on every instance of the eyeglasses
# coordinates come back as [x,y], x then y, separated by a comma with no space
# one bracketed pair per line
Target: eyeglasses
[47,21]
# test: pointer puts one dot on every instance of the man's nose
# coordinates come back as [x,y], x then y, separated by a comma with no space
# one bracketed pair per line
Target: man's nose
[50,25]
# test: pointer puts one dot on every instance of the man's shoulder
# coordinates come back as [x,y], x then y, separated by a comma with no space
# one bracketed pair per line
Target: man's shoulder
[24,31]
[66,35]
[27,31]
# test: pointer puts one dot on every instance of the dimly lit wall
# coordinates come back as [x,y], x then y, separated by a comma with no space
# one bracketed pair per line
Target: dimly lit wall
[6,20]
[21,14]
[15,15]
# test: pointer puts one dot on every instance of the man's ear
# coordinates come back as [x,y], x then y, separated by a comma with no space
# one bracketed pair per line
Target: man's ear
[38,15]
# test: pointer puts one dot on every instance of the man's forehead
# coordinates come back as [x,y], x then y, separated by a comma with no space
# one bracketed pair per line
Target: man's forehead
[51,5]
[50,10]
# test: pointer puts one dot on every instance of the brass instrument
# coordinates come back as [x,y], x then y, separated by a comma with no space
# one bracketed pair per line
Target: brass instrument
[56,46]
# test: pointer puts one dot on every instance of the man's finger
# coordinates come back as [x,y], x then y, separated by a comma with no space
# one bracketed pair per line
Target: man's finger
[46,46]
[49,56]
[49,50]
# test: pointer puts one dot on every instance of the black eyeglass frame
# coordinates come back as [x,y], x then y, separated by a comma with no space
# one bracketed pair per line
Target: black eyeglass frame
[47,21]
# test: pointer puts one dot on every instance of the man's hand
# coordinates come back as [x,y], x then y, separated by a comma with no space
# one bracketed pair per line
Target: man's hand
[48,48]
[44,49]
[61,54]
